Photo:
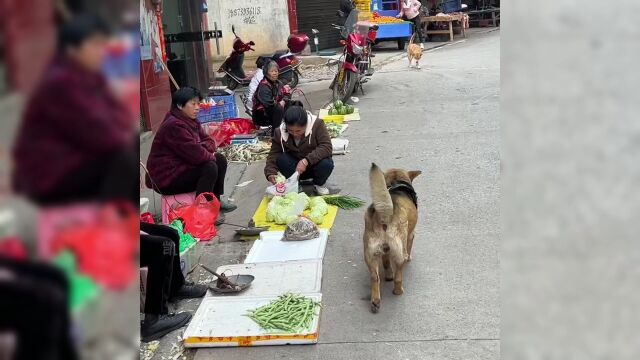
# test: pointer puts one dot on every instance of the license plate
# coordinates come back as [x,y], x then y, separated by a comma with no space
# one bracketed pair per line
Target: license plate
[340,76]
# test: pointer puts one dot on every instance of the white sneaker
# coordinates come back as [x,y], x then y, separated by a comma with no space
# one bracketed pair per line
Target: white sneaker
[322,190]
[422,46]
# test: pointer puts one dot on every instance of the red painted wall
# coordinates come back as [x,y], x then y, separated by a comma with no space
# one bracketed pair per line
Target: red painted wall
[29,30]
[155,92]
[293,16]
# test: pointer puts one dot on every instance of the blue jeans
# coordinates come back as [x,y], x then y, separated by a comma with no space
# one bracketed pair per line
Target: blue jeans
[319,173]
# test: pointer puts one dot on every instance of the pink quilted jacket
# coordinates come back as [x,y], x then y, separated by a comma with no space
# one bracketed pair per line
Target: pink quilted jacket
[410,8]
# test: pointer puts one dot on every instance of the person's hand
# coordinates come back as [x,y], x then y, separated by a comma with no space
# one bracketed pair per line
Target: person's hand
[282,103]
[287,88]
[272,179]
[398,16]
[302,166]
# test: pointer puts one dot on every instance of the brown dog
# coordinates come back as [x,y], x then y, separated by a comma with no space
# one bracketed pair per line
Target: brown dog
[414,52]
[389,227]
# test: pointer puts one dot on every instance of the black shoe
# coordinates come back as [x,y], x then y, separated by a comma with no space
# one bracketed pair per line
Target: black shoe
[227,207]
[221,219]
[190,292]
[154,327]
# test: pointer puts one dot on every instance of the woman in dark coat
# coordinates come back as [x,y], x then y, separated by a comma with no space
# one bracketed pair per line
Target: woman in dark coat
[77,141]
[268,100]
[183,158]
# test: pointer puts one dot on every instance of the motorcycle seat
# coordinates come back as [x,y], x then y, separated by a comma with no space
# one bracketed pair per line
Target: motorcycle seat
[274,56]
[262,59]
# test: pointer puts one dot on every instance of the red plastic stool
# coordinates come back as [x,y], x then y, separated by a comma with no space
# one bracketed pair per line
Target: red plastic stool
[54,219]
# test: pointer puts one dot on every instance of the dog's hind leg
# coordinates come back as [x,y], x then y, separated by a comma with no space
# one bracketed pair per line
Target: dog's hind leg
[397,278]
[418,64]
[410,245]
[373,265]
[388,270]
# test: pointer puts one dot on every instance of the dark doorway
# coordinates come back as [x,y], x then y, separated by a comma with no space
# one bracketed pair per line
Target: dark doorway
[187,61]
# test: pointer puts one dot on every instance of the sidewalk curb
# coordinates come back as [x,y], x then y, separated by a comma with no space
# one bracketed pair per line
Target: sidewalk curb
[145,136]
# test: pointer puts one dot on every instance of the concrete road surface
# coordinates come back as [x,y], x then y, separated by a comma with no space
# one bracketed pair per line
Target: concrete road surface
[443,120]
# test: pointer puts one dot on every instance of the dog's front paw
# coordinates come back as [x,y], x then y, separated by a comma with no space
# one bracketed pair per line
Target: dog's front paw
[375,306]
[419,67]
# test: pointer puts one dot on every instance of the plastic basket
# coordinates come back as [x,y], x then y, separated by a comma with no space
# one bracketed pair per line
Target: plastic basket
[221,112]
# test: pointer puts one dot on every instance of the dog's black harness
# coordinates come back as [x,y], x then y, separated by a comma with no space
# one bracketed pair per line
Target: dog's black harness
[406,188]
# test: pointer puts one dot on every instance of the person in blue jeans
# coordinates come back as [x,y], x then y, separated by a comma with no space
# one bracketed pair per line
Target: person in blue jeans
[303,144]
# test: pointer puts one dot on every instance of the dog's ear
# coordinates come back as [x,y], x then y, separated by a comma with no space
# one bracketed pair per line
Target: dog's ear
[414,174]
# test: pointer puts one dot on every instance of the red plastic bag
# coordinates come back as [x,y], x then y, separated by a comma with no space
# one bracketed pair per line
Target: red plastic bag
[200,217]
[147,218]
[13,248]
[222,133]
[106,248]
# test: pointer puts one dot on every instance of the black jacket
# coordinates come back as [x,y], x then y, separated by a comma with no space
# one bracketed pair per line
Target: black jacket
[267,95]
[346,6]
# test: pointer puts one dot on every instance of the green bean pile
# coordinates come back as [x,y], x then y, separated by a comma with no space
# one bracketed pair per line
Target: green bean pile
[290,313]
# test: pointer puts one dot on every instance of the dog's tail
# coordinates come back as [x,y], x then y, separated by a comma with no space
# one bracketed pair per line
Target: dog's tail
[412,37]
[380,195]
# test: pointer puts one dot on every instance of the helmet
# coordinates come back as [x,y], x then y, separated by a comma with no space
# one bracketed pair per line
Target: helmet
[297,42]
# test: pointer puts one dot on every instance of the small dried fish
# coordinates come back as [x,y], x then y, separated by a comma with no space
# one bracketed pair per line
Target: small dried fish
[246,152]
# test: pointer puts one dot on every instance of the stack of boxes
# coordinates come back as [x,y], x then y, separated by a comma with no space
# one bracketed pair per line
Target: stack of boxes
[364,10]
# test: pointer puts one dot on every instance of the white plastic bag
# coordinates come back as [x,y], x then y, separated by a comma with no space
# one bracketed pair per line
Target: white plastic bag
[283,188]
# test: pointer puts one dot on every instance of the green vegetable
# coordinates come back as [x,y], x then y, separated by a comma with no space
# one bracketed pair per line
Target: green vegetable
[316,216]
[334,129]
[344,202]
[318,209]
[307,200]
[290,313]
[282,210]
[338,104]
[332,111]
[318,203]
[280,178]
[350,109]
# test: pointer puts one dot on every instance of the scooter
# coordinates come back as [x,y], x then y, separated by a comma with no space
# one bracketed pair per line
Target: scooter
[355,66]
[288,62]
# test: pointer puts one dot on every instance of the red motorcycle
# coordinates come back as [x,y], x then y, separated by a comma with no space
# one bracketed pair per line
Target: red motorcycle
[288,62]
[355,67]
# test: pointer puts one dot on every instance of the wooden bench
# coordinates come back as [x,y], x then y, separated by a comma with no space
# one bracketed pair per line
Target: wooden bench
[446,18]
[495,15]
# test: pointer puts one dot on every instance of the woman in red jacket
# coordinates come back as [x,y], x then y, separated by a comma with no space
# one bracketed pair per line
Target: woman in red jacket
[183,158]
